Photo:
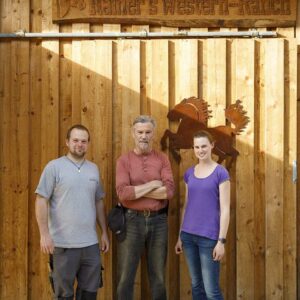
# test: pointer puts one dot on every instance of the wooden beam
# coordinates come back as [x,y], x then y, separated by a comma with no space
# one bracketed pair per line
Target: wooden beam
[274,166]
[243,76]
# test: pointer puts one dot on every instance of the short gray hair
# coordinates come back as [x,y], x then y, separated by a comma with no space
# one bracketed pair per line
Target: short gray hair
[144,119]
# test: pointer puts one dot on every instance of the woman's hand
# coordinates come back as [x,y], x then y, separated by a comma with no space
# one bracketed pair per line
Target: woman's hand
[178,247]
[218,251]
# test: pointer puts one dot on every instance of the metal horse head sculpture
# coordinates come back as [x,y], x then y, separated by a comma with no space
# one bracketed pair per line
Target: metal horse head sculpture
[192,115]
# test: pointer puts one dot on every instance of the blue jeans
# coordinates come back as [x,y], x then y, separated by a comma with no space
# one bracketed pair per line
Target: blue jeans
[204,271]
[150,233]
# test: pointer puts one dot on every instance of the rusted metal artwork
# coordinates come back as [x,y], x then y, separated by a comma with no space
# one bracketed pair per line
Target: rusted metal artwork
[192,114]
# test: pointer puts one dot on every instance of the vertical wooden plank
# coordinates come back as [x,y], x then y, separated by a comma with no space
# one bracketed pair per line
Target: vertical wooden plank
[297,34]
[144,66]
[259,179]
[144,109]
[77,60]
[286,32]
[65,88]
[15,156]
[156,104]
[186,85]
[243,76]
[20,157]
[298,183]
[231,235]
[96,114]
[50,91]
[274,127]
[5,203]
[174,262]
[49,111]
[116,104]
[102,152]
[36,278]
[128,88]
[96,27]
[87,85]
[216,78]
[157,85]
[142,273]
[214,84]
[116,136]
[128,97]
[126,28]
[290,155]
[173,267]
[3,47]
[193,29]
[298,146]
[140,28]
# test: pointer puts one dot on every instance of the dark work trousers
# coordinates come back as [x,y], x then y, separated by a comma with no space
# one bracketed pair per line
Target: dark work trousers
[81,263]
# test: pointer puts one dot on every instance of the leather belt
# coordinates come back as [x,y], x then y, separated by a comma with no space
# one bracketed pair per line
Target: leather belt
[146,212]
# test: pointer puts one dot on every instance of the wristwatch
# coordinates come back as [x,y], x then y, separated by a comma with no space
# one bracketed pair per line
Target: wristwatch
[222,240]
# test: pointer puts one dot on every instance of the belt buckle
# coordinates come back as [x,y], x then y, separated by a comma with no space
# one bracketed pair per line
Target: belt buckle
[147,213]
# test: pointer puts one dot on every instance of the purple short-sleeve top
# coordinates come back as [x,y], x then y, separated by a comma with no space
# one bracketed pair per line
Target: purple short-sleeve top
[202,212]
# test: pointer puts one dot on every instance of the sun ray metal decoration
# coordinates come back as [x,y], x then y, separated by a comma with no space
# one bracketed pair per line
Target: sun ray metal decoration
[192,114]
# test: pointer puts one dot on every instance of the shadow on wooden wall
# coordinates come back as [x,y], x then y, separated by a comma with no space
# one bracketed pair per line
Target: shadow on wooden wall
[50,85]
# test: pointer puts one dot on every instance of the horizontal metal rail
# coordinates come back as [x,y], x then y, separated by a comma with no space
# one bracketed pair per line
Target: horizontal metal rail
[141,34]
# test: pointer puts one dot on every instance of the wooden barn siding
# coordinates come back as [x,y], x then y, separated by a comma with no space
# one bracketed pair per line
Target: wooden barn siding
[45,86]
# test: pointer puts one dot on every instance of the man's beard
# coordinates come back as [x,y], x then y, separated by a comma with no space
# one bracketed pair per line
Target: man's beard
[144,146]
[77,155]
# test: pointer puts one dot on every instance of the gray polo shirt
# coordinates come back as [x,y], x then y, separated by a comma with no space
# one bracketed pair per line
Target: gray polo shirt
[72,196]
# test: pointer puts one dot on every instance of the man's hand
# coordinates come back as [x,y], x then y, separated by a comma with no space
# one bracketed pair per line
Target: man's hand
[104,243]
[158,193]
[218,251]
[41,210]
[47,245]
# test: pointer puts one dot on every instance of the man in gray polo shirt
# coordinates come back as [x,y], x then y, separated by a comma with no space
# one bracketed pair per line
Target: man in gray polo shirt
[69,202]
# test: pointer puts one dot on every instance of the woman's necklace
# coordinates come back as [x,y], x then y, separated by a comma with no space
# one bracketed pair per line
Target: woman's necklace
[76,165]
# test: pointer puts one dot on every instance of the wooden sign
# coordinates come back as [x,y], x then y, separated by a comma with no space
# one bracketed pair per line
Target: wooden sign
[186,13]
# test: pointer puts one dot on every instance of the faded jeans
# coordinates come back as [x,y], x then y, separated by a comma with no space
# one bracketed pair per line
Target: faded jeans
[204,271]
[150,233]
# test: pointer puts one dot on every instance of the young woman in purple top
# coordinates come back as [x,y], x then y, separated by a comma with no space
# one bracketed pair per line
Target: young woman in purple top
[205,220]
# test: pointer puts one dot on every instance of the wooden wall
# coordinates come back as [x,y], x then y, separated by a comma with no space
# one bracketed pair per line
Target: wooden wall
[48,85]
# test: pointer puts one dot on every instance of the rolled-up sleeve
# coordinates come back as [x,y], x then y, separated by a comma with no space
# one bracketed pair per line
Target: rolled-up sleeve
[125,190]
[167,177]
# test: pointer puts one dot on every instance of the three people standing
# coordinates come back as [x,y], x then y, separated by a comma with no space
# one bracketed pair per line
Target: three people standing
[69,199]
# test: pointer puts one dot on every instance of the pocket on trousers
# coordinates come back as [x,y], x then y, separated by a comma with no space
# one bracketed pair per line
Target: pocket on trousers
[184,236]
[130,216]
[163,217]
